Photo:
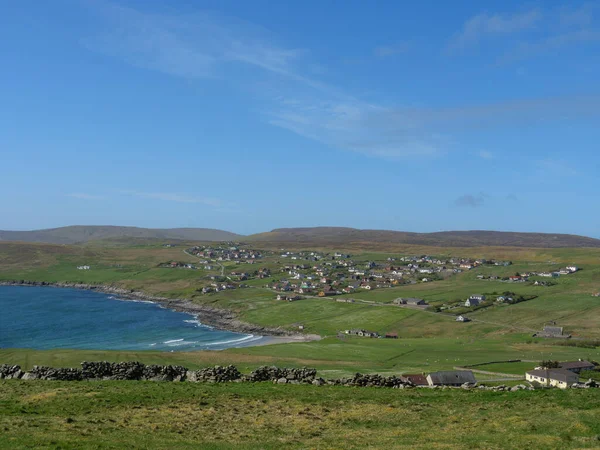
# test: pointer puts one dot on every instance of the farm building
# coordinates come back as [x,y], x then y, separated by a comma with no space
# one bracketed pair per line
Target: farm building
[560,378]
[416,379]
[577,366]
[410,301]
[451,378]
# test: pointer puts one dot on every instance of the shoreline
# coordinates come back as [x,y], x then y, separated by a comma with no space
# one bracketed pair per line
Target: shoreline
[220,319]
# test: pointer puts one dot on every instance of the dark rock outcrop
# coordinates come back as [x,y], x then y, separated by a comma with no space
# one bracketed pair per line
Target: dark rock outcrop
[7,371]
[217,374]
[266,373]
[372,380]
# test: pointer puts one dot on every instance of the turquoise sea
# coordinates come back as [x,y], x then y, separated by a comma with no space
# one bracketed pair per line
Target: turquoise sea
[47,317]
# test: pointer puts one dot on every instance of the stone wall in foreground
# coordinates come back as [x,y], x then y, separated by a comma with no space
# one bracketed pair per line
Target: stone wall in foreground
[133,370]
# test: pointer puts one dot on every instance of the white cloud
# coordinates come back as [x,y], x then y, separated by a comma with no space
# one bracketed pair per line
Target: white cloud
[486,154]
[493,24]
[82,196]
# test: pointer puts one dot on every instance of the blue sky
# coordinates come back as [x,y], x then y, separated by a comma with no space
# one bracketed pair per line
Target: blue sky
[248,116]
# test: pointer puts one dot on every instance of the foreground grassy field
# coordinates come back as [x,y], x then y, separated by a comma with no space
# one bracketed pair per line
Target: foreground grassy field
[263,416]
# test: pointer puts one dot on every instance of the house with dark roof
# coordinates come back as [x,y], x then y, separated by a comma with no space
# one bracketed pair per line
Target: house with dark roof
[555,331]
[451,378]
[410,301]
[577,366]
[472,302]
[327,291]
[559,378]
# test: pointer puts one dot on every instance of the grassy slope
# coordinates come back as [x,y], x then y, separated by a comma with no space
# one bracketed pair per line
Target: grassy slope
[343,236]
[85,233]
[426,340]
[185,415]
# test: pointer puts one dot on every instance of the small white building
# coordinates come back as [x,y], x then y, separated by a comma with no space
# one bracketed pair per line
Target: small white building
[559,378]
[83,267]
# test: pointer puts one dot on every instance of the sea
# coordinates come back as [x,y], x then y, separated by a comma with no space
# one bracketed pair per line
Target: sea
[60,318]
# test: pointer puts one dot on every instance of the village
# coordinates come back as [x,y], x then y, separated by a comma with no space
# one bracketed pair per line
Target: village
[297,275]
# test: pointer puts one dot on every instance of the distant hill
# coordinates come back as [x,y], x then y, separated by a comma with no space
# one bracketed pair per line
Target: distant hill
[317,236]
[340,236]
[82,233]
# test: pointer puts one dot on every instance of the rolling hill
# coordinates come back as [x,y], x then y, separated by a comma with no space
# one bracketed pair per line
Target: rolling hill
[317,236]
[344,236]
[81,233]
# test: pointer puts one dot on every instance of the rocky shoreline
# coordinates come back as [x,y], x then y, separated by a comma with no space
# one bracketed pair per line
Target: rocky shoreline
[221,319]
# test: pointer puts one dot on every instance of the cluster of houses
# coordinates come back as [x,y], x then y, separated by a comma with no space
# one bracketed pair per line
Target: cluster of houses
[363,333]
[232,252]
[218,287]
[462,263]
[327,275]
[562,376]
[521,278]
[524,277]
[178,264]
[83,267]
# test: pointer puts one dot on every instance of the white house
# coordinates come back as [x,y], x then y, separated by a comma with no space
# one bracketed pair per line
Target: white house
[472,302]
[83,267]
[559,378]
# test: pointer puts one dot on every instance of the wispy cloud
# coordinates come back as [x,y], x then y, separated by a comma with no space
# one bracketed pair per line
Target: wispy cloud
[512,197]
[174,197]
[484,24]
[190,46]
[532,32]
[471,200]
[395,133]
[556,168]
[580,16]
[485,154]
[385,51]
[83,196]
[209,45]
[528,49]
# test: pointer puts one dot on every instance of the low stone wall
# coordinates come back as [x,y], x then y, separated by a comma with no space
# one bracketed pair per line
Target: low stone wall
[104,370]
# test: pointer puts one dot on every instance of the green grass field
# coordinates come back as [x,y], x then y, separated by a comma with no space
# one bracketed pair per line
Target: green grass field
[426,340]
[265,416]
